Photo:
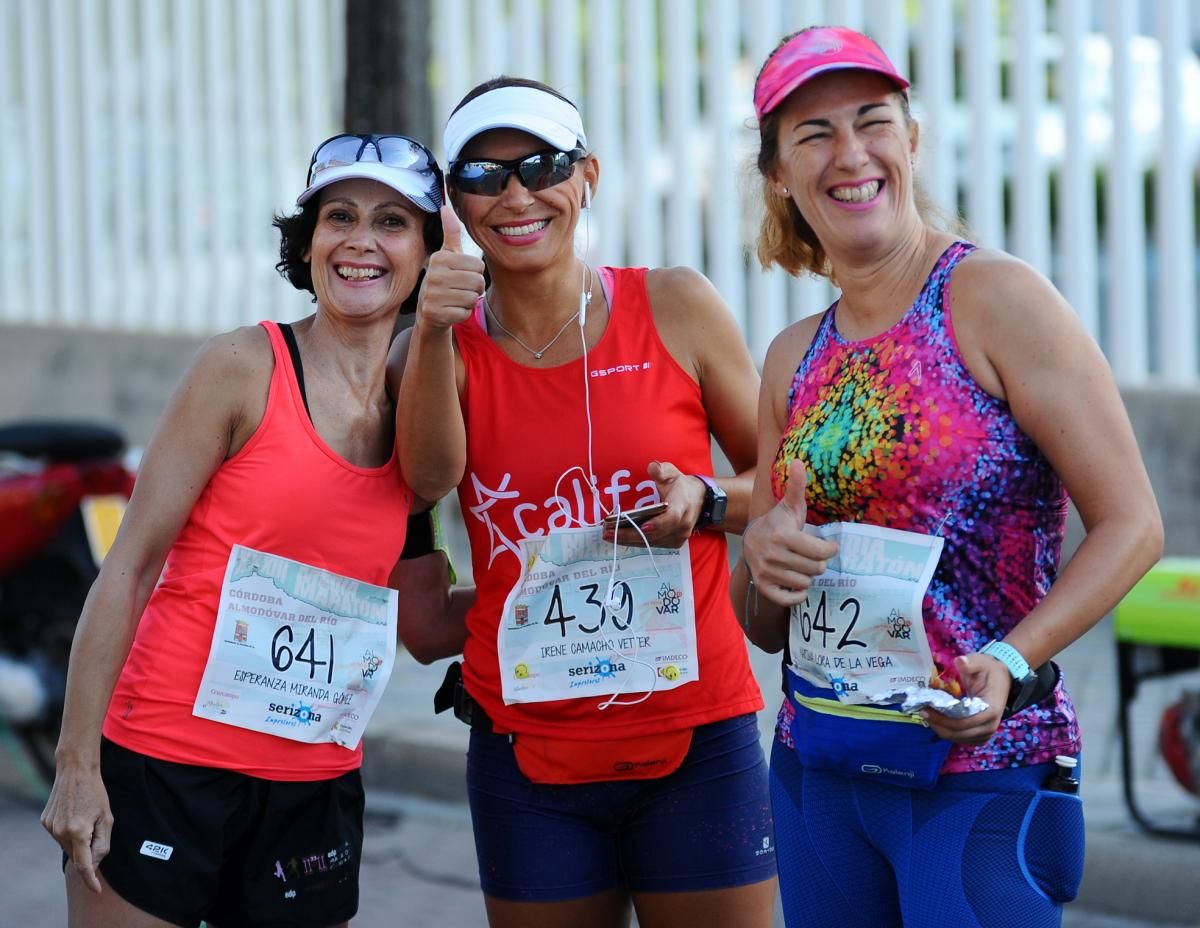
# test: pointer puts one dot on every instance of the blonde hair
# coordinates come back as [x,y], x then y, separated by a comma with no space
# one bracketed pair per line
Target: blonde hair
[785,237]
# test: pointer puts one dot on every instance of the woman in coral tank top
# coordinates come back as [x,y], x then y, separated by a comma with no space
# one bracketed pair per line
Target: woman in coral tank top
[240,631]
[614,754]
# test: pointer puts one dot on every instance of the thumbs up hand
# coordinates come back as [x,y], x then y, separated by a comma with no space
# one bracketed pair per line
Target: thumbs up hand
[793,494]
[451,229]
[783,558]
[453,280]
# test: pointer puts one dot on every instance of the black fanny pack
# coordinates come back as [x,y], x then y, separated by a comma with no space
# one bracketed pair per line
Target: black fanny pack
[452,694]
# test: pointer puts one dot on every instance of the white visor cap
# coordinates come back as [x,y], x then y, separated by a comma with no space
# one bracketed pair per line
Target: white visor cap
[542,114]
[420,187]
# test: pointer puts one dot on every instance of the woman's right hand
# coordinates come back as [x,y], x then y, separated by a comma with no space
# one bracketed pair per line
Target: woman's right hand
[77,814]
[782,557]
[453,280]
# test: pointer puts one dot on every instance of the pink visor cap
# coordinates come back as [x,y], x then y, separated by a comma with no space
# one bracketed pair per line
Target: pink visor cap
[813,52]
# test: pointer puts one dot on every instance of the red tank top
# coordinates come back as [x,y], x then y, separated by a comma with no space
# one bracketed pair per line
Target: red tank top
[285,492]
[525,427]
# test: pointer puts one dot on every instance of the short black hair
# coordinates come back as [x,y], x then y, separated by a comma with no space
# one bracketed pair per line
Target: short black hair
[296,234]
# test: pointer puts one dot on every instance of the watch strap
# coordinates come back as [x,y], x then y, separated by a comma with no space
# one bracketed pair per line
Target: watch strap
[713,510]
[1026,686]
[1010,657]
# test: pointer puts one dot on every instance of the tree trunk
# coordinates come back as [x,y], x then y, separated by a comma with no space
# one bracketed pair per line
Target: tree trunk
[387,68]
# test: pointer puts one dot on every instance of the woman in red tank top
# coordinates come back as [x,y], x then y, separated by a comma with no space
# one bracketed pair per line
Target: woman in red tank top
[269,515]
[611,705]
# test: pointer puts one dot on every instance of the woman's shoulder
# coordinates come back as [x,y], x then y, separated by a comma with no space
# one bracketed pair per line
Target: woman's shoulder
[988,274]
[683,297]
[993,289]
[224,390]
[233,369]
[787,349]
[693,319]
[680,282]
[795,339]
[241,353]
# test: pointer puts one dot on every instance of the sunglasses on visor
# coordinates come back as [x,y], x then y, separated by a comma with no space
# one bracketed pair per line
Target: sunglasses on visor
[395,151]
[488,178]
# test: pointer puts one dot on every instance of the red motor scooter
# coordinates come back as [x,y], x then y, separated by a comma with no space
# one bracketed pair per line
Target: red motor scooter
[63,490]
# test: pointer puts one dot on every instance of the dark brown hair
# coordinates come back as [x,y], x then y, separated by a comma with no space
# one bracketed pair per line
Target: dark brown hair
[296,234]
[507,80]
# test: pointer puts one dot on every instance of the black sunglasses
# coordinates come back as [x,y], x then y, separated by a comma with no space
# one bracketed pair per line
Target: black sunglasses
[488,178]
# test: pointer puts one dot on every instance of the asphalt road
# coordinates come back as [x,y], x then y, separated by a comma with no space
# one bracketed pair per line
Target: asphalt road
[418,870]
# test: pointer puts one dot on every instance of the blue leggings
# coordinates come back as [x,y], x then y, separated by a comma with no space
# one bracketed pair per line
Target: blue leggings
[980,850]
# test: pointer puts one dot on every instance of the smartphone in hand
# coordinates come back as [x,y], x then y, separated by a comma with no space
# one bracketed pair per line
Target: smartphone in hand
[635,516]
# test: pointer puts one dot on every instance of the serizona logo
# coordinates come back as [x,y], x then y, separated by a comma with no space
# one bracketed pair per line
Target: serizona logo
[300,712]
[601,668]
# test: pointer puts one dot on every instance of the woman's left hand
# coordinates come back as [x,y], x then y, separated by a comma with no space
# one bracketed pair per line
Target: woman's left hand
[983,676]
[684,496]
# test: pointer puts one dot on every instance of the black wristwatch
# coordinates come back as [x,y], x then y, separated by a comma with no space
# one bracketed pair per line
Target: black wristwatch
[715,502]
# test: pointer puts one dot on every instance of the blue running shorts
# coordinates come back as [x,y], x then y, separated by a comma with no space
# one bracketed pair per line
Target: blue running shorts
[979,850]
[705,826]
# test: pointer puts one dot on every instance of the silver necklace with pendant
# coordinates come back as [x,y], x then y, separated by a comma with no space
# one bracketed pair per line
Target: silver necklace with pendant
[587,301]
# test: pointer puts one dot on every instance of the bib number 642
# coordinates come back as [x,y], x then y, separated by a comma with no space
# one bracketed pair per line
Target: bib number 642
[815,619]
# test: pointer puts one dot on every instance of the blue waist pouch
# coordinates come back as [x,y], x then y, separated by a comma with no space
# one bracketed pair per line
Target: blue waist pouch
[879,743]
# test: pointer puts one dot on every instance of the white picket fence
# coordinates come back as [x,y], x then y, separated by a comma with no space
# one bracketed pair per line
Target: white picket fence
[147,145]
[151,140]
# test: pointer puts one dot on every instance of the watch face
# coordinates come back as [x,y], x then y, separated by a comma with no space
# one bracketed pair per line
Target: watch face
[719,502]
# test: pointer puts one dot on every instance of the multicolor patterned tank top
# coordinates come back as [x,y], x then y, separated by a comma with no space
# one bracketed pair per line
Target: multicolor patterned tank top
[895,431]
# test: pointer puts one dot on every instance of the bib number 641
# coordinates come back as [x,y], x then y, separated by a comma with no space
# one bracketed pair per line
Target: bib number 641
[282,655]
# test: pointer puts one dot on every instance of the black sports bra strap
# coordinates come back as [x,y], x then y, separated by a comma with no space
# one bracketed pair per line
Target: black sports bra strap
[289,337]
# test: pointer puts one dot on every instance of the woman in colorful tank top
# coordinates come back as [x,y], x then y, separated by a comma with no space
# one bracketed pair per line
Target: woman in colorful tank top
[243,626]
[614,756]
[917,442]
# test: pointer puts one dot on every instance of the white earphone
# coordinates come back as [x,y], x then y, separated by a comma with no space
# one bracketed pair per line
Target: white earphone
[583,301]
[583,305]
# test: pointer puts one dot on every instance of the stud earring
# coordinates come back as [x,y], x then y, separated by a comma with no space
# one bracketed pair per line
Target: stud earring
[785,191]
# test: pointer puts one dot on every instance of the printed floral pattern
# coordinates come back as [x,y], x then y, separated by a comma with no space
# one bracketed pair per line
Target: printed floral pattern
[894,431]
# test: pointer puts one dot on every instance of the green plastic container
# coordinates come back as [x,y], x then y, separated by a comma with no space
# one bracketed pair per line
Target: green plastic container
[1164,607]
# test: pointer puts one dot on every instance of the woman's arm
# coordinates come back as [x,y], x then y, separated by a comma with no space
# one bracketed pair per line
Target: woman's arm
[432,621]
[779,560]
[1024,344]
[433,614]
[700,333]
[426,373]
[207,418]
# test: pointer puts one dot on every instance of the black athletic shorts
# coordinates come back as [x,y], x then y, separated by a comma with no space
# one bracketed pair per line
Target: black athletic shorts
[196,843]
